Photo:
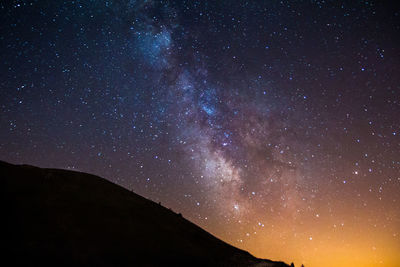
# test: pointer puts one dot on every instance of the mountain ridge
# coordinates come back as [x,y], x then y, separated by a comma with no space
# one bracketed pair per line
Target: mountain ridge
[66,218]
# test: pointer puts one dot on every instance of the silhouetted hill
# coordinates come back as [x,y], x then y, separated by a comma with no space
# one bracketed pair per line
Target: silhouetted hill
[65,218]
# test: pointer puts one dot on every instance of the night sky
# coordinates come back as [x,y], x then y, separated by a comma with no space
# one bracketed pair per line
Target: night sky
[274,125]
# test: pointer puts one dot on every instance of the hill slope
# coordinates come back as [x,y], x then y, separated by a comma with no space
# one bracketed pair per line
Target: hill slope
[64,218]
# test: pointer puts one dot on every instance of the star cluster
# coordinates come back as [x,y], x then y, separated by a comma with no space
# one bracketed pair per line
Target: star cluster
[272,124]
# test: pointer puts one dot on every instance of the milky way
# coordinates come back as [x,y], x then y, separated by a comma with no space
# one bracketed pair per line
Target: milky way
[274,125]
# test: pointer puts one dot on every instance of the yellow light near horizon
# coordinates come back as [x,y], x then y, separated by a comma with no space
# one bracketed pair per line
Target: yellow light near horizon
[351,245]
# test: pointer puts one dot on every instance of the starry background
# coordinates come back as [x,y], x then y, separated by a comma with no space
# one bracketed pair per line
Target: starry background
[274,125]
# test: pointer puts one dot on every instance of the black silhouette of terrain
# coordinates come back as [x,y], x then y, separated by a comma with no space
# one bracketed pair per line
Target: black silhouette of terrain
[64,218]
